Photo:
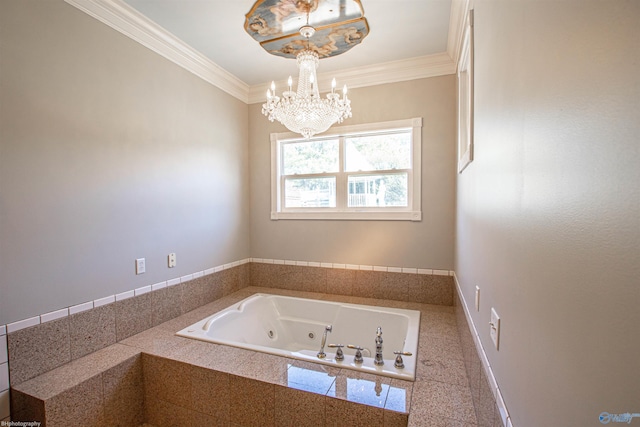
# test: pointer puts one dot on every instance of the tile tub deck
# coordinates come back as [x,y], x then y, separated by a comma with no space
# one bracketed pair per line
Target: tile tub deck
[253,388]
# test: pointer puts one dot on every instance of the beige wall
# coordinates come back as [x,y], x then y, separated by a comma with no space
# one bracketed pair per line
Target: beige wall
[424,244]
[108,153]
[548,217]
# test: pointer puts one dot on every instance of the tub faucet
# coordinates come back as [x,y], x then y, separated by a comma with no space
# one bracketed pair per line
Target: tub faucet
[321,354]
[339,353]
[378,360]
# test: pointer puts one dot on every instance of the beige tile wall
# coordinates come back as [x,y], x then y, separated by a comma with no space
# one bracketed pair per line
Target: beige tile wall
[40,348]
[427,288]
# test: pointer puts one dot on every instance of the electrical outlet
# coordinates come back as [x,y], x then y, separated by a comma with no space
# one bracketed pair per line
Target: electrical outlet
[172,260]
[495,328]
[140,266]
[477,298]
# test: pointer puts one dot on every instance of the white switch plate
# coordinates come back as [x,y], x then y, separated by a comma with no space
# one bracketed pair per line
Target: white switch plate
[477,298]
[495,327]
[172,260]
[140,266]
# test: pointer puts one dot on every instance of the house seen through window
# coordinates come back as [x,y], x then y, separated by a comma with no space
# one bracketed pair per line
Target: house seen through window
[356,172]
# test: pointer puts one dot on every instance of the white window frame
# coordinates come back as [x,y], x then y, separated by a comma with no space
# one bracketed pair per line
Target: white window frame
[412,212]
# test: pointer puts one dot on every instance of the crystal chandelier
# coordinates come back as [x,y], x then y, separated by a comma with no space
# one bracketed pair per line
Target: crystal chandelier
[304,111]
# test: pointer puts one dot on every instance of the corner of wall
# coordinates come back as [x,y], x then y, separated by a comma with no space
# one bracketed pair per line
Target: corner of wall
[487,396]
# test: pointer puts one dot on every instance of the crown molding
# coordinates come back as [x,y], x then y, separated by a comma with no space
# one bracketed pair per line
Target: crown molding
[128,21]
[388,72]
[125,19]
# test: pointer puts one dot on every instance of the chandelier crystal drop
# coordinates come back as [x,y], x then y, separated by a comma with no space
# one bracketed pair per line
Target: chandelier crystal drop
[305,111]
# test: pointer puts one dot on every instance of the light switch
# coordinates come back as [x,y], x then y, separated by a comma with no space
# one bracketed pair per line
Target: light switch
[477,298]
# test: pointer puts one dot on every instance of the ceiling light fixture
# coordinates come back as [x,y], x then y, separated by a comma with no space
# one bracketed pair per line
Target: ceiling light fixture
[304,110]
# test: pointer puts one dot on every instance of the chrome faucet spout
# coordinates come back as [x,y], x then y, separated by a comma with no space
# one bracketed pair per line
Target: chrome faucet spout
[378,360]
[321,354]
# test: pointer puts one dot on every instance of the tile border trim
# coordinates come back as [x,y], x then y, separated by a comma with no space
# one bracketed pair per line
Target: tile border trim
[77,308]
[495,389]
[408,270]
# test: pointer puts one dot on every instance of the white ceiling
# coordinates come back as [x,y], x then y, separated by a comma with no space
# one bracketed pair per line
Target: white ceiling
[399,29]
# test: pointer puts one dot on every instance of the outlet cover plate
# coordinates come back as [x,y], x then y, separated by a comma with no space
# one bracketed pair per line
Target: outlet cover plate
[495,328]
[140,266]
[172,260]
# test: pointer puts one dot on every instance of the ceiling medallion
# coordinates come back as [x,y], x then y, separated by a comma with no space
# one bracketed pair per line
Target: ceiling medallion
[307,30]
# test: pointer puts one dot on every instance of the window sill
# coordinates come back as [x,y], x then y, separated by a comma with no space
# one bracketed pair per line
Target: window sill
[355,216]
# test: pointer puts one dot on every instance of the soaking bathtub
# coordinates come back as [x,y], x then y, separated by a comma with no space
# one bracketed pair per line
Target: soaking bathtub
[294,327]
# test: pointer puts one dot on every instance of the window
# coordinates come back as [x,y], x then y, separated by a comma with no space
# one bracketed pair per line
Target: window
[367,171]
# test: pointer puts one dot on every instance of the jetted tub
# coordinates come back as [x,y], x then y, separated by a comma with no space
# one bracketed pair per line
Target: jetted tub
[293,327]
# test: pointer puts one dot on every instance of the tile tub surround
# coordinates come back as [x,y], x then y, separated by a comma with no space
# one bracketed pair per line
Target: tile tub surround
[45,346]
[102,389]
[42,343]
[56,338]
[387,283]
[281,390]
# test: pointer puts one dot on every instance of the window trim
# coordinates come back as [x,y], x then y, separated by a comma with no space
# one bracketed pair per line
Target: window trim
[411,213]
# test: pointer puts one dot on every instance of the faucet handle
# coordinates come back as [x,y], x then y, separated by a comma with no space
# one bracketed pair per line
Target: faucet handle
[399,363]
[358,357]
[339,353]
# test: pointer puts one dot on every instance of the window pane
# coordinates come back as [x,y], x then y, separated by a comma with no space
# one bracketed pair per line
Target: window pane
[378,190]
[310,157]
[310,193]
[378,152]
